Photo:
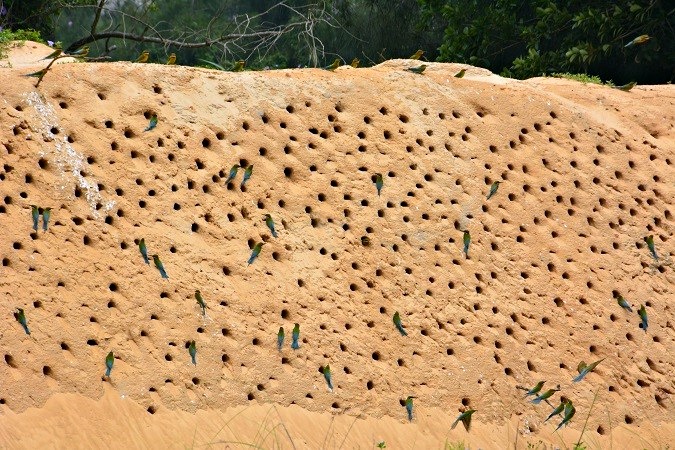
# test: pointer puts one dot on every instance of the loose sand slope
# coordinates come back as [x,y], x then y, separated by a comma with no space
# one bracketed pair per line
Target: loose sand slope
[587,172]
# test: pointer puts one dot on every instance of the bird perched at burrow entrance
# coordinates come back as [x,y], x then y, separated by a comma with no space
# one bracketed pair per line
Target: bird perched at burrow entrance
[144,250]
[460,74]
[247,175]
[398,324]
[418,70]
[327,376]
[334,65]
[57,51]
[256,251]
[569,413]
[152,123]
[233,173]
[465,418]
[467,241]
[160,266]
[409,407]
[626,87]
[35,214]
[46,214]
[650,245]
[109,361]
[535,390]
[172,59]
[557,411]
[545,395]
[642,312]
[270,224]
[20,317]
[642,39]
[417,55]
[379,182]
[584,369]
[493,189]
[192,350]
[200,301]
[143,57]
[623,303]
[295,336]
[281,335]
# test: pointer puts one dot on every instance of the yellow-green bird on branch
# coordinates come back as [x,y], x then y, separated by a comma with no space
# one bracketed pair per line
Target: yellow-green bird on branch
[418,70]
[80,52]
[57,51]
[143,57]
[642,39]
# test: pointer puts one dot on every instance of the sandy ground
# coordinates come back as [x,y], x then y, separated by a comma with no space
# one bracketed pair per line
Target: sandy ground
[586,173]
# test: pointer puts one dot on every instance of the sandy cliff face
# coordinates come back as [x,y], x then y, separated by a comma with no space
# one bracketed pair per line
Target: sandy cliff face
[586,173]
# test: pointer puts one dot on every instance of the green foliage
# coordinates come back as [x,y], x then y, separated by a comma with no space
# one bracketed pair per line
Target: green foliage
[456,446]
[581,77]
[7,36]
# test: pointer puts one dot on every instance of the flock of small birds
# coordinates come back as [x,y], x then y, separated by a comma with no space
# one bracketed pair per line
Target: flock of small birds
[566,407]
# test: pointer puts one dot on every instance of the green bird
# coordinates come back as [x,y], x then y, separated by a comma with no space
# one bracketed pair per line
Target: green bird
[159,266]
[584,369]
[467,242]
[418,70]
[143,57]
[39,74]
[172,59]
[493,189]
[545,396]
[650,244]
[642,39]
[326,375]
[200,301]
[409,407]
[295,336]
[623,303]
[270,224]
[642,312]
[465,418]
[144,250]
[46,214]
[334,65]
[626,87]
[35,214]
[247,175]
[379,182]
[569,413]
[255,252]
[535,390]
[81,52]
[281,335]
[238,66]
[20,317]
[152,124]
[57,51]
[109,361]
[398,324]
[460,74]
[192,349]
[355,63]
[557,411]
[233,173]
[418,54]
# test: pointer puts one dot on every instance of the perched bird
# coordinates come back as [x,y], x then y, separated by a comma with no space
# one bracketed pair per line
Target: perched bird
[81,52]
[467,242]
[623,303]
[493,189]
[584,369]
[334,65]
[326,375]
[144,250]
[46,214]
[642,39]
[642,312]
[109,361]
[465,418]
[295,336]
[460,74]
[255,252]
[200,301]
[172,59]
[418,54]
[143,57]
[558,410]
[650,244]
[535,390]
[152,124]
[247,175]
[355,63]
[569,413]
[239,66]
[233,173]
[626,87]
[57,51]
[544,396]
[20,317]
[159,266]
[409,407]
[192,350]
[398,324]
[379,182]
[35,214]
[270,224]
[39,74]
[280,338]
[417,70]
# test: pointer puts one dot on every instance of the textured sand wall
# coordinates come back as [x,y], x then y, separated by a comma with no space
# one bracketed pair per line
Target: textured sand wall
[586,171]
